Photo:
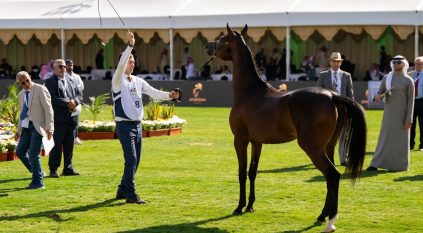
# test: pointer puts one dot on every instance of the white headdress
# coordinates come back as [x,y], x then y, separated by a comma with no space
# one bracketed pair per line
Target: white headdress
[404,69]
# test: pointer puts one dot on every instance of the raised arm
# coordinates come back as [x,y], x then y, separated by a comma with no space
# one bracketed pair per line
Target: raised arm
[120,70]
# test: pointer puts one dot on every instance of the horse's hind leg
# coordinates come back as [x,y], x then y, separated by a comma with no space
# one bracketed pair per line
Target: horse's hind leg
[332,176]
[252,173]
[241,152]
[330,151]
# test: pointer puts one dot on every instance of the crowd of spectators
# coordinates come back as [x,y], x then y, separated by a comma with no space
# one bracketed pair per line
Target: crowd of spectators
[270,68]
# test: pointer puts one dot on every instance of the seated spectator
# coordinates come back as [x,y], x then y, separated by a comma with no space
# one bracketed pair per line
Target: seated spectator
[260,59]
[219,71]
[99,59]
[205,73]
[225,70]
[35,71]
[4,66]
[347,66]
[271,69]
[307,66]
[374,72]
[77,70]
[190,67]
[46,70]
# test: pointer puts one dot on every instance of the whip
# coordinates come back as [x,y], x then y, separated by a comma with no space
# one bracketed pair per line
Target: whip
[101,21]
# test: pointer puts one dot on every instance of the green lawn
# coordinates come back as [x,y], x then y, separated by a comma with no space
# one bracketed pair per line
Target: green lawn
[191,184]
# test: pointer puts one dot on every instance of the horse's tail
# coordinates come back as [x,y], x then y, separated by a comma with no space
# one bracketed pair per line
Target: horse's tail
[354,123]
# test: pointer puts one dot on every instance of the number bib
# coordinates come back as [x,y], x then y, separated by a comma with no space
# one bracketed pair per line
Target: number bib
[132,98]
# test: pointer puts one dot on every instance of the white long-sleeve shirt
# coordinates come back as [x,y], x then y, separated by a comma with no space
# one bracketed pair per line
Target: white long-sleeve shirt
[129,93]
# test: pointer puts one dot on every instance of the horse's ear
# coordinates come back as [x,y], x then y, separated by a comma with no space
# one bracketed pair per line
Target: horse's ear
[244,30]
[230,32]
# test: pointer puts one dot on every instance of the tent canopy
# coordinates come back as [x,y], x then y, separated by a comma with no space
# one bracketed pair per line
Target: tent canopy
[182,14]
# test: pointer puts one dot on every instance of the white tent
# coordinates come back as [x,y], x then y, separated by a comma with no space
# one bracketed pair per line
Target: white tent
[42,18]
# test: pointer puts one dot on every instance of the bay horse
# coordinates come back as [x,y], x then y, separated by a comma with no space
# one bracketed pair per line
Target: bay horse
[314,116]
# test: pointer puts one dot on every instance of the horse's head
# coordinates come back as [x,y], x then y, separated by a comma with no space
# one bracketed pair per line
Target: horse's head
[222,47]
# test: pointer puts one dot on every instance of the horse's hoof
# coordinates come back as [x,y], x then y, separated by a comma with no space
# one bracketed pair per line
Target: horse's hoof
[249,210]
[331,228]
[237,212]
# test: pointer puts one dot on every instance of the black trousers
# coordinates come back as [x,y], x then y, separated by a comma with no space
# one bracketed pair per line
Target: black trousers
[418,114]
[64,136]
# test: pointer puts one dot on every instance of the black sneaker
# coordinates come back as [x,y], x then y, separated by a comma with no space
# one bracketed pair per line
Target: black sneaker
[54,174]
[135,200]
[70,173]
[371,169]
[35,186]
[120,195]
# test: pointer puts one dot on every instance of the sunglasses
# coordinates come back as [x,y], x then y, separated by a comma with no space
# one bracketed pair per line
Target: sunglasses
[397,62]
[24,82]
[61,66]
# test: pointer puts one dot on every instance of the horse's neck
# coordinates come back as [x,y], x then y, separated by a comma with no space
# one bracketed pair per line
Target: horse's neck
[245,77]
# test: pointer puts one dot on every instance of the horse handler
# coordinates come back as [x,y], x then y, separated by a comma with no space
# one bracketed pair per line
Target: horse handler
[127,93]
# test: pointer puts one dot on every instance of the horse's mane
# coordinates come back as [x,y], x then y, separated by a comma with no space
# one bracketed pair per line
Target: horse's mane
[267,84]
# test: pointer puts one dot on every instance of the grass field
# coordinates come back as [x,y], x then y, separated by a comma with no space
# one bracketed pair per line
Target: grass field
[191,184]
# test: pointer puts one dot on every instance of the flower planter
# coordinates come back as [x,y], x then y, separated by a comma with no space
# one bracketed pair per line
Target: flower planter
[3,156]
[161,132]
[96,135]
[174,131]
[11,156]
[155,133]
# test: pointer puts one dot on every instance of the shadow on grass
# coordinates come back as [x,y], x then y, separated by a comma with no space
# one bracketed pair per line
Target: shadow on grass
[345,176]
[315,224]
[183,227]
[55,214]
[289,169]
[410,178]
[369,153]
[5,191]
[12,180]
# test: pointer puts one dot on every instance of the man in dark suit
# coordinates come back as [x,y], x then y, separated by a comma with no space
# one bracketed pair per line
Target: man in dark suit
[65,99]
[417,76]
[339,81]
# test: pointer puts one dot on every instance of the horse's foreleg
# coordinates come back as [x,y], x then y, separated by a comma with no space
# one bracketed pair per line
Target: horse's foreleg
[241,152]
[252,173]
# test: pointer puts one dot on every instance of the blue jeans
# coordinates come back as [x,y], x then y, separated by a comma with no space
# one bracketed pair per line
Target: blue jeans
[130,137]
[28,151]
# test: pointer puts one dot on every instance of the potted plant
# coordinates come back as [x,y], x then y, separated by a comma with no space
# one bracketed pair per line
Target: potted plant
[3,155]
[97,103]
[94,129]
[160,120]
[9,106]
[11,147]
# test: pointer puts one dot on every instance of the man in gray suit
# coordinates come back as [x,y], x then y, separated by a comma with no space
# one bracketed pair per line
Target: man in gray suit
[35,122]
[338,81]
